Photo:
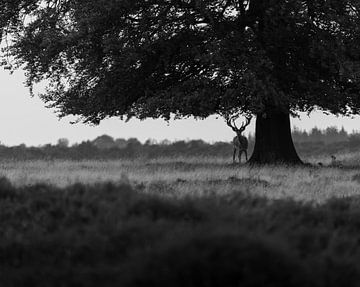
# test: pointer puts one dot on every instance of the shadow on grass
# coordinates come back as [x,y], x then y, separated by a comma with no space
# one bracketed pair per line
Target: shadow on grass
[113,235]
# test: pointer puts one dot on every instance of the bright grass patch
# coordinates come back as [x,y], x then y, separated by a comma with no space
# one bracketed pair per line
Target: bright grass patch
[195,176]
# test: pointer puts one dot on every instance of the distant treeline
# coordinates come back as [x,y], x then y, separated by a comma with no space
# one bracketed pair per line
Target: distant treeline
[315,142]
[328,136]
[328,141]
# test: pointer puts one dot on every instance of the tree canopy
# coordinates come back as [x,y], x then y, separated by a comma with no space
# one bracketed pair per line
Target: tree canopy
[155,58]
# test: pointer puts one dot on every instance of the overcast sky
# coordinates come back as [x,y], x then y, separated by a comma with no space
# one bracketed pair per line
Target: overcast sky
[26,120]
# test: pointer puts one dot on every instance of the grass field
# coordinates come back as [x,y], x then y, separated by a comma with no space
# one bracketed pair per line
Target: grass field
[198,176]
[179,222]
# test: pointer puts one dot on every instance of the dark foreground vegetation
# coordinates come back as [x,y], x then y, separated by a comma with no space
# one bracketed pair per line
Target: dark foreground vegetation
[115,235]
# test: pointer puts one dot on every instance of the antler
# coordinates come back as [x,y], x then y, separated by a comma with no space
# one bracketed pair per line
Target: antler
[232,124]
[247,122]
[230,121]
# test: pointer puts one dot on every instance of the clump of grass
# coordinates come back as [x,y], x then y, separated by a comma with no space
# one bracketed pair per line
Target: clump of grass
[7,190]
[356,177]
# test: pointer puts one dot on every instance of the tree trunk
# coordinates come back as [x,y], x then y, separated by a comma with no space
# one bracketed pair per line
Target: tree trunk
[273,142]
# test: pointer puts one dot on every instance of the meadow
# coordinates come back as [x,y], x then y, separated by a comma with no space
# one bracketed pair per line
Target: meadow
[179,222]
[198,176]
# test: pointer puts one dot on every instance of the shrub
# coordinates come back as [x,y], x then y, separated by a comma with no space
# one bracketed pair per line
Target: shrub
[218,258]
[113,235]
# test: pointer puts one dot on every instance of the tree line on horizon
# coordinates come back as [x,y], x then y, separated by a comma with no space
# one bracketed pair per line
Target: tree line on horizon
[326,136]
[308,143]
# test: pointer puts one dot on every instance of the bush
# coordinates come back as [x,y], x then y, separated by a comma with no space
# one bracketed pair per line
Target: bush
[218,258]
[113,235]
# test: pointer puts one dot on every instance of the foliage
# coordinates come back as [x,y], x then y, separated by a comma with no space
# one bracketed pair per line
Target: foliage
[313,143]
[110,234]
[104,142]
[328,136]
[63,142]
[157,58]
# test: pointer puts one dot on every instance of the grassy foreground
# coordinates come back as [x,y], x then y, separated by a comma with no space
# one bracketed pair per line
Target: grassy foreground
[179,177]
[178,223]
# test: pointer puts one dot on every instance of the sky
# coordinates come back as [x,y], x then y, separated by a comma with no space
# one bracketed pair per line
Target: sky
[26,120]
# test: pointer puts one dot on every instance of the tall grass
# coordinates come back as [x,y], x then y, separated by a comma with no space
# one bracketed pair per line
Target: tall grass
[196,176]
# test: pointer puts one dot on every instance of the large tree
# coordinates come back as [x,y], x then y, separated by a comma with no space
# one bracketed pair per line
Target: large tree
[158,58]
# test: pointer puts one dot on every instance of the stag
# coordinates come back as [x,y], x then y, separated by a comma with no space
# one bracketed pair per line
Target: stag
[240,142]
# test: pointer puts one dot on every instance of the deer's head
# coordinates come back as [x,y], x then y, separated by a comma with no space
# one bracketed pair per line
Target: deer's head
[230,121]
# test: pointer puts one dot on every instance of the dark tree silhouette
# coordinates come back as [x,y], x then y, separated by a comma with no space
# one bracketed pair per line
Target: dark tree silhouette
[159,58]
[63,142]
[104,142]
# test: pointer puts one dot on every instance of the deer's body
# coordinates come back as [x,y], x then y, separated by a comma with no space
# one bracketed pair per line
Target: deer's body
[240,142]
[240,146]
[334,162]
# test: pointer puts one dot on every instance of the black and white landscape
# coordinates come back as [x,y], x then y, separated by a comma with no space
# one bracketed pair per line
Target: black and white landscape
[275,206]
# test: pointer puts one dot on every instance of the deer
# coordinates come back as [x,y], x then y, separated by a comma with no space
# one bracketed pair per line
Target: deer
[335,162]
[240,142]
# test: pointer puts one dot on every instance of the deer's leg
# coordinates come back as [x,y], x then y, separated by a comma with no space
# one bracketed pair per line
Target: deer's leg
[240,152]
[234,154]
